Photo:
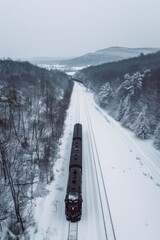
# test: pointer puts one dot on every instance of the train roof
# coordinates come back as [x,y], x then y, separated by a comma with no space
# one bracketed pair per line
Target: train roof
[74,182]
[77,133]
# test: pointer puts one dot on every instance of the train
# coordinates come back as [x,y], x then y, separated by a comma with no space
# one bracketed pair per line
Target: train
[73,199]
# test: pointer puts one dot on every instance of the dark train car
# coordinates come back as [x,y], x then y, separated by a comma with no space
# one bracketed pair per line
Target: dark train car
[76,154]
[77,133]
[73,200]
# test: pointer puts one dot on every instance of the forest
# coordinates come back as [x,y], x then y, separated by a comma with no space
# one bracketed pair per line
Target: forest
[33,104]
[129,90]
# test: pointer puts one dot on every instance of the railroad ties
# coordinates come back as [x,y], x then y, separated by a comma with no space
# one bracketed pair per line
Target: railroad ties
[73,231]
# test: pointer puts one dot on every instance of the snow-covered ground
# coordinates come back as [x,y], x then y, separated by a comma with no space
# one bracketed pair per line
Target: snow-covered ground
[121,181]
[68,70]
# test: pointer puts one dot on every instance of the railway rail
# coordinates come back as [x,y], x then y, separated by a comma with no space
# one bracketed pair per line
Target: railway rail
[73,231]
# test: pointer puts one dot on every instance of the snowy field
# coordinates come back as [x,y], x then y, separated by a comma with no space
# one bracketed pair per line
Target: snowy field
[121,181]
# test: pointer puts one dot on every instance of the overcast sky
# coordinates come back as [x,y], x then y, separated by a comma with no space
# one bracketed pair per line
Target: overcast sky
[64,28]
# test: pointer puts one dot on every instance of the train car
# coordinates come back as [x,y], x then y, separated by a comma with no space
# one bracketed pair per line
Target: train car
[73,200]
[76,150]
[76,154]
[77,133]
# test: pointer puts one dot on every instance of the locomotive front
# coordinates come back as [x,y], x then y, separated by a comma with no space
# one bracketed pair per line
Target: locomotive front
[73,200]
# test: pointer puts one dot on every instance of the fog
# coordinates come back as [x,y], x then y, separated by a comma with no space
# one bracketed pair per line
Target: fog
[65,28]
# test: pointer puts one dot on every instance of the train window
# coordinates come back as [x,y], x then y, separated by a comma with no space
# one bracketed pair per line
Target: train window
[74,181]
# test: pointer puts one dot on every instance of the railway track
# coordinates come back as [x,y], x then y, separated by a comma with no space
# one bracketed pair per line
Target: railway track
[81,107]
[73,227]
[104,202]
[73,231]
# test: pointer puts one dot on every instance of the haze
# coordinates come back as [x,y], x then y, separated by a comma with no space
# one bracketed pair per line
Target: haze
[65,28]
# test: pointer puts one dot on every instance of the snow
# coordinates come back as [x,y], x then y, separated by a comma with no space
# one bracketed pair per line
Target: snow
[130,180]
[68,70]
[73,196]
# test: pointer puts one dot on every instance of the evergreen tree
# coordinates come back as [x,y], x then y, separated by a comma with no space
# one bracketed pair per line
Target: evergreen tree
[133,83]
[120,111]
[127,111]
[142,127]
[156,141]
[105,95]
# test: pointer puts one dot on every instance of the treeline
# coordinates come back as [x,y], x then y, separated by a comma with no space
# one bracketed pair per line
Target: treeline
[33,104]
[130,91]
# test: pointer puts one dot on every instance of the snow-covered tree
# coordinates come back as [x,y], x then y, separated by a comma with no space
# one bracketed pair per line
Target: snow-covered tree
[128,110]
[122,108]
[133,83]
[105,95]
[120,111]
[156,141]
[142,127]
[128,99]
[153,123]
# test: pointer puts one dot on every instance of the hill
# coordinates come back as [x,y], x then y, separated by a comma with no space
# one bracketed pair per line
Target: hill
[130,91]
[101,56]
[108,55]
[33,104]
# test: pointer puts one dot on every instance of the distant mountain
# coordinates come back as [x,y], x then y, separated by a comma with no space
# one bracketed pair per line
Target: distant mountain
[101,56]
[108,55]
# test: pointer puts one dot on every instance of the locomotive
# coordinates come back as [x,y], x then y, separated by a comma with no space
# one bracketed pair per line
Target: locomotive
[73,199]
